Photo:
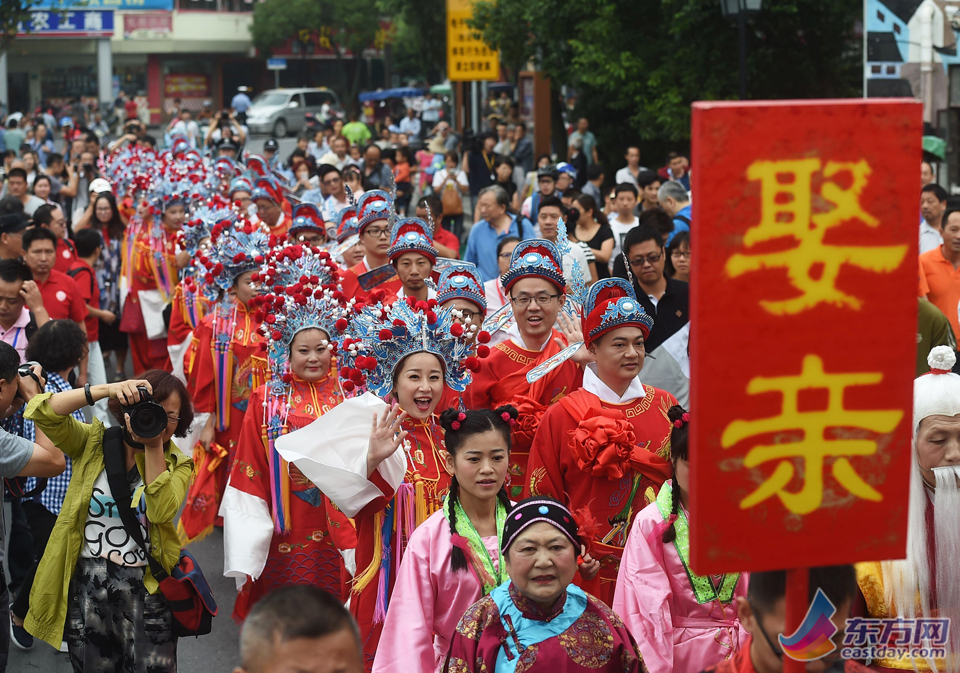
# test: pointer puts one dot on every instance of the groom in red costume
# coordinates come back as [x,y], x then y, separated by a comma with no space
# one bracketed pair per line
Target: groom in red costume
[536,289]
[605,445]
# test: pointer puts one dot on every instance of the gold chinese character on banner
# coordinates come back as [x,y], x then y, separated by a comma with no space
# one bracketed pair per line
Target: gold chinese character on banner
[816,445]
[324,39]
[812,266]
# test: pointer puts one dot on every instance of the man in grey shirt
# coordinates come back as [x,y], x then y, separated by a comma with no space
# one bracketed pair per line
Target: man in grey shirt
[594,184]
[19,457]
[17,188]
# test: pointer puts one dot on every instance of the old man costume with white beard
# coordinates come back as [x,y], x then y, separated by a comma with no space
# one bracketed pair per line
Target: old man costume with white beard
[927,583]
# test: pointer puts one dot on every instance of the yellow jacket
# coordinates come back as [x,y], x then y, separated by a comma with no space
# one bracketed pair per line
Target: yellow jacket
[84,445]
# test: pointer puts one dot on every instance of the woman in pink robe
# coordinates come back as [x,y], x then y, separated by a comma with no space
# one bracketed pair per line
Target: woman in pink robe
[433,590]
[682,622]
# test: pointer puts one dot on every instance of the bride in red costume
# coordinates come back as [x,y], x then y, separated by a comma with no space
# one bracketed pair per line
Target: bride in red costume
[278,528]
[391,479]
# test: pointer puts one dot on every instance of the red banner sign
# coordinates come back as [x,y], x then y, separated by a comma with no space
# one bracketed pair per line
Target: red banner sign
[148,25]
[804,320]
[186,86]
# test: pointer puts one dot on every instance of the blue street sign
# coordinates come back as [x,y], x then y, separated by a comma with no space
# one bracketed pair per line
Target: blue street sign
[72,23]
[106,4]
[276,64]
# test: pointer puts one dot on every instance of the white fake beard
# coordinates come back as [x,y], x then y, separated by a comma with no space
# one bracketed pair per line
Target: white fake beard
[946,527]
[906,580]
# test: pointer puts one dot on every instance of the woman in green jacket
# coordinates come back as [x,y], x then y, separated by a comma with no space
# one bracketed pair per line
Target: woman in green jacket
[93,587]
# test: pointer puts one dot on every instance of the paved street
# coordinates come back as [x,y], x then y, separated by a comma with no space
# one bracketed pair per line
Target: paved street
[214,653]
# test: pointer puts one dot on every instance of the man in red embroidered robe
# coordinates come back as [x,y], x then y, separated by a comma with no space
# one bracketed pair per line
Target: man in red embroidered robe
[606,445]
[536,289]
[272,209]
[374,210]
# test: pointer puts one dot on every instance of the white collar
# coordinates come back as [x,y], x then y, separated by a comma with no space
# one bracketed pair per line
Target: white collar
[593,384]
[431,293]
[513,332]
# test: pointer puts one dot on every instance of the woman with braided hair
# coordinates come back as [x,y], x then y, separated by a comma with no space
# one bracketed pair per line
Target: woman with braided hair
[681,621]
[453,558]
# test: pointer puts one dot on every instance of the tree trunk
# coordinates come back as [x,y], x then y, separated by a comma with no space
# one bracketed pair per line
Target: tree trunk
[349,104]
[355,87]
[558,132]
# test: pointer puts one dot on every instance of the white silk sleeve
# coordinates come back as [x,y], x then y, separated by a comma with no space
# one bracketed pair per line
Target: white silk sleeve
[247,533]
[332,453]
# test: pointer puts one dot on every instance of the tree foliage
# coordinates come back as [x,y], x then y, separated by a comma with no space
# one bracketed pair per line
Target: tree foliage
[351,26]
[420,37]
[12,13]
[637,65]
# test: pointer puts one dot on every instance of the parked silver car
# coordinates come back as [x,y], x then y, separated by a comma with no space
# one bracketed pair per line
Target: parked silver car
[281,111]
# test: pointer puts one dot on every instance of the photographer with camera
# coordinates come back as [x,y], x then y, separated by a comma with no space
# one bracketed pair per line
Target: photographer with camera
[94,586]
[134,131]
[19,457]
[224,127]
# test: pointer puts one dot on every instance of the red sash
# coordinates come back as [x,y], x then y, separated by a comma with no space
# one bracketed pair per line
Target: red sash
[605,444]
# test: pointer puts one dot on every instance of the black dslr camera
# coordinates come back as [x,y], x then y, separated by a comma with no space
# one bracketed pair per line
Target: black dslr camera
[26,369]
[147,418]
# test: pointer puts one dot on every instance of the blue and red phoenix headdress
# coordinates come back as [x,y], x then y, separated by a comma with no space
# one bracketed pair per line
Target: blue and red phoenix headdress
[378,338]
[236,247]
[301,292]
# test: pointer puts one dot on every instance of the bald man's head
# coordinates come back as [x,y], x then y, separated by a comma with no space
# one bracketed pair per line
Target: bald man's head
[302,629]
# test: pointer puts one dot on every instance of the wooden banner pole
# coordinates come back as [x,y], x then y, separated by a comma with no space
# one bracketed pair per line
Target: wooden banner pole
[797,604]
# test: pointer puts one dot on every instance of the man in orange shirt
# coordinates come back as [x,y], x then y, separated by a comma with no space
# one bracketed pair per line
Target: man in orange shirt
[940,271]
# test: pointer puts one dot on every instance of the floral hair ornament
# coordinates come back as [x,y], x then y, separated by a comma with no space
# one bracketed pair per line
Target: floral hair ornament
[301,293]
[235,248]
[680,422]
[380,337]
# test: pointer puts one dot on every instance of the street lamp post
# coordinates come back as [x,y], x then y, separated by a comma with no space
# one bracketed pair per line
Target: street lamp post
[741,10]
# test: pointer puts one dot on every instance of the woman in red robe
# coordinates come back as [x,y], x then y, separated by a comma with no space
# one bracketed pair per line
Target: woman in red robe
[280,529]
[193,298]
[225,370]
[152,261]
[534,625]
[537,291]
[607,445]
[393,479]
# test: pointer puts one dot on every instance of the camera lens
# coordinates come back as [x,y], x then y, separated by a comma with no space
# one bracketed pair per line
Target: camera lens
[148,420]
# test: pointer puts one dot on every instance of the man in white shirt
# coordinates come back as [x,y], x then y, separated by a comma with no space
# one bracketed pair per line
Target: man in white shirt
[624,202]
[331,181]
[185,126]
[551,210]
[337,156]
[504,135]
[628,174]
[933,203]
[431,110]
[410,124]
